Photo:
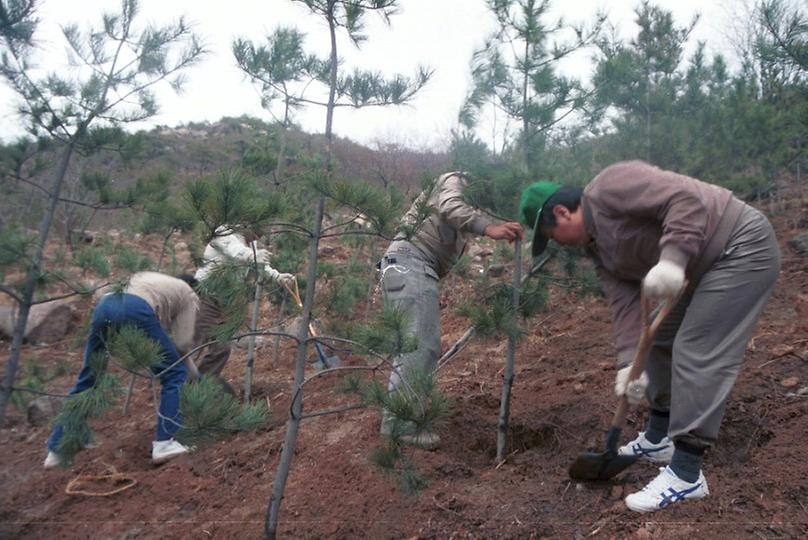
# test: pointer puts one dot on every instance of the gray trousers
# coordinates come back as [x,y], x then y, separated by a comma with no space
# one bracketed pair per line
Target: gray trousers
[699,349]
[411,285]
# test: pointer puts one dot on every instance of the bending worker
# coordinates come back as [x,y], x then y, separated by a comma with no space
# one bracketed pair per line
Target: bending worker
[651,229]
[411,270]
[227,244]
[164,308]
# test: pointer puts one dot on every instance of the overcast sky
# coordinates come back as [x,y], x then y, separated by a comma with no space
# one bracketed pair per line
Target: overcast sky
[441,34]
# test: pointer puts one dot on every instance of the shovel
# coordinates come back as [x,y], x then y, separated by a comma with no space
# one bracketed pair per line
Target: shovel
[324,361]
[605,465]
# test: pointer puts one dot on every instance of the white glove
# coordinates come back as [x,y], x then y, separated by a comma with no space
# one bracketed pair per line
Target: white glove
[635,390]
[262,256]
[287,280]
[664,279]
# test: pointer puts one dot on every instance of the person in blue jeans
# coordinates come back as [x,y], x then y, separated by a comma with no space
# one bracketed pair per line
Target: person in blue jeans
[164,308]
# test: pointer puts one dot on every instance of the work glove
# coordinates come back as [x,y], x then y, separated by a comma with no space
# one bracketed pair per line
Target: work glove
[287,280]
[635,390]
[663,280]
[262,256]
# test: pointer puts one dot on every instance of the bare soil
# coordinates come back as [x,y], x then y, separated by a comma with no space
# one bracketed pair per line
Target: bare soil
[562,404]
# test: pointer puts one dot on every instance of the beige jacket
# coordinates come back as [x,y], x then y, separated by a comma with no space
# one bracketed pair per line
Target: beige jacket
[442,237]
[173,301]
[638,214]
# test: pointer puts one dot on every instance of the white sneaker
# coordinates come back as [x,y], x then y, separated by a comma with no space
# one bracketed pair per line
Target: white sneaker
[162,451]
[52,460]
[661,452]
[666,489]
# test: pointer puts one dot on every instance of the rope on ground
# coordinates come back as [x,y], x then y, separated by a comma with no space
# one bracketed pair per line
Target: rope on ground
[74,487]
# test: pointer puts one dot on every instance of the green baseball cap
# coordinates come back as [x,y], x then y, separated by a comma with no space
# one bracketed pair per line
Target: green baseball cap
[530,206]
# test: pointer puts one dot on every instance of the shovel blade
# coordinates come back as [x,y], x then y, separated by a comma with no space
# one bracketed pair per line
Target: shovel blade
[326,362]
[594,466]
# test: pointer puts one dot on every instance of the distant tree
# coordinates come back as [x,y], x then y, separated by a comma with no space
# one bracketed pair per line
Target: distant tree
[122,64]
[517,70]
[640,79]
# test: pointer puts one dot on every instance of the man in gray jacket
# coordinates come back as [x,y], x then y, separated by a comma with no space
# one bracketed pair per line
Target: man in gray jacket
[412,268]
[650,230]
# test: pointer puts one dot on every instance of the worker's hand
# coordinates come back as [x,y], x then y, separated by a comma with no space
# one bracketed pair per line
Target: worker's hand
[634,390]
[509,231]
[262,256]
[663,280]
[286,280]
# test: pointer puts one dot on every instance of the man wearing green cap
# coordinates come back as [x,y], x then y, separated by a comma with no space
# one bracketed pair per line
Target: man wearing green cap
[649,230]
[411,268]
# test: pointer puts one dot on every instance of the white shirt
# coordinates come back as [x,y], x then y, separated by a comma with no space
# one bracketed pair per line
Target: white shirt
[229,244]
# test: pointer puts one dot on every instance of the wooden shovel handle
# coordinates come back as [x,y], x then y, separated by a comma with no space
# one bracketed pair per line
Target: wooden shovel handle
[647,334]
[295,293]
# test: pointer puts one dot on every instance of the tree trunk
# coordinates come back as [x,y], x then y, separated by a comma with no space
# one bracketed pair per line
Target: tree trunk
[525,120]
[507,383]
[276,347]
[31,280]
[293,425]
[251,346]
[271,524]
[164,246]
[278,172]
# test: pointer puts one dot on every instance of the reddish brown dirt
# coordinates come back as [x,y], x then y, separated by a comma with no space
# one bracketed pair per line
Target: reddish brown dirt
[562,403]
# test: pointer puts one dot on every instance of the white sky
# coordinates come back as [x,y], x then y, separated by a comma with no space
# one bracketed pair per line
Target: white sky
[441,34]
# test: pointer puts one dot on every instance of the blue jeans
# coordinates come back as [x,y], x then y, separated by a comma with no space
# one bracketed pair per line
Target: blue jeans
[112,312]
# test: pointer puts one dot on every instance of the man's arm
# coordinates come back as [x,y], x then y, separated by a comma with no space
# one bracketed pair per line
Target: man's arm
[510,231]
[455,211]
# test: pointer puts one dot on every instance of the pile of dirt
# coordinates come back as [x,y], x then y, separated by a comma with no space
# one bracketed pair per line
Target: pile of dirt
[562,403]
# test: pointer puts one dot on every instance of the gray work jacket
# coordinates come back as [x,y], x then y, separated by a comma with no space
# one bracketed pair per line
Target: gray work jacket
[442,237]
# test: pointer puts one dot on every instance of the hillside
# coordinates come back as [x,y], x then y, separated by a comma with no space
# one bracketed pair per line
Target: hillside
[200,150]
[562,403]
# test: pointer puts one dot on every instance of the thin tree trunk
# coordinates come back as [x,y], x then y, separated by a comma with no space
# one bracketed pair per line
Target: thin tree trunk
[271,524]
[248,376]
[372,280]
[278,172]
[129,394]
[276,347]
[507,383]
[525,120]
[31,279]
[293,425]
[164,246]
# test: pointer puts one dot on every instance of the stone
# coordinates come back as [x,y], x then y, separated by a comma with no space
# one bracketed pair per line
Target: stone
[244,343]
[790,382]
[42,410]
[496,270]
[799,244]
[47,323]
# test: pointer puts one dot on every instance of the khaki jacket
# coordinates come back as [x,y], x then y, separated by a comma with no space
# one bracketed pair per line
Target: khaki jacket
[638,214]
[173,301]
[442,237]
